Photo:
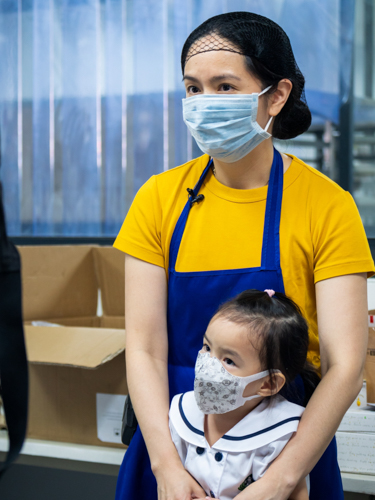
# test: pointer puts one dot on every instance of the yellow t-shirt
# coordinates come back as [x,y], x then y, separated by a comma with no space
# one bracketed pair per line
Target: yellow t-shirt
[321,233]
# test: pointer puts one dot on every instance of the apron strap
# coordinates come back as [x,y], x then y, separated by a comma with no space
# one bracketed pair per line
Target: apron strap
[271,240]
[271,232]
[181,223]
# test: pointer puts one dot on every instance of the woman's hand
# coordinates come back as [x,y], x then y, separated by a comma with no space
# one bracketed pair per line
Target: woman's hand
[175,483]
[266,489]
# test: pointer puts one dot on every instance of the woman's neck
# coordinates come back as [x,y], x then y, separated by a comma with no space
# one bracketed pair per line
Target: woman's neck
[252,171]
[215,426]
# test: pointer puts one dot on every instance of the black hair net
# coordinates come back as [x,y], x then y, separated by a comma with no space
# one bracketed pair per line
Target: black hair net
[250,35]
[269,56]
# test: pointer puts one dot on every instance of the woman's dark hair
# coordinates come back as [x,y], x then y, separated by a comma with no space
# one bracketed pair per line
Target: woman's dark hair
[269,58]
[279,332]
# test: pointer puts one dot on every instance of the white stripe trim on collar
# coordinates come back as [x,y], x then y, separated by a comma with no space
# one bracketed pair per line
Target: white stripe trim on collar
[269,421]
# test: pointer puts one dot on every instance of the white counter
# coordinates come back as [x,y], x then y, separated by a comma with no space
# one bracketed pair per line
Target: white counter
[67,451]
[113,456]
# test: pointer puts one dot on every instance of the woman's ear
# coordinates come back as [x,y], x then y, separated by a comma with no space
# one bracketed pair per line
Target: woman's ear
[277,99]
[272,386]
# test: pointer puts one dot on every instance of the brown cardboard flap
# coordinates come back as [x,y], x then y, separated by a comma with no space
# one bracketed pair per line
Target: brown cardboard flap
[112,322]
[117,322]
[109,266]
[58,281]
[89,321]
[80,347]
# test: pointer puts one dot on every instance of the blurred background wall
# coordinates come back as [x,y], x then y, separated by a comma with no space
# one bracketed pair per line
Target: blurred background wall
[90,102]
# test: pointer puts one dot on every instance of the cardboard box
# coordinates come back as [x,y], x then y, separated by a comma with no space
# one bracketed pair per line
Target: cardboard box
[370,360]
[70,365]
[358,420]
[356,452]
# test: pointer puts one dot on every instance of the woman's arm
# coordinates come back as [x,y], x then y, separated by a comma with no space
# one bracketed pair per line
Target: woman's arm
[342,324]
[300,492]
[147,376]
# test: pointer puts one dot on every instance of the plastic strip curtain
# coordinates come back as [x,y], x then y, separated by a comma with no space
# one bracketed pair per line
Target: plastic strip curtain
[90,102]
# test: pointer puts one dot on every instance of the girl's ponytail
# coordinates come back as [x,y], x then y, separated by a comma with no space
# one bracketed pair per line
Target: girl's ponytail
[280,334]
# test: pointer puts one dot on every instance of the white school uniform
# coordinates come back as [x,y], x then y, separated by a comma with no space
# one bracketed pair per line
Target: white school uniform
[239,457]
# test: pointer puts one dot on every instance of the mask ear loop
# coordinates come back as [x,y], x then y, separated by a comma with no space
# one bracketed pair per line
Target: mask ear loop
[264,90]
[253,378]
[268,124]
[261,93]
[259,376]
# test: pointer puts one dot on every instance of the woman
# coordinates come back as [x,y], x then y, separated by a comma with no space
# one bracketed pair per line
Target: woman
[252,218]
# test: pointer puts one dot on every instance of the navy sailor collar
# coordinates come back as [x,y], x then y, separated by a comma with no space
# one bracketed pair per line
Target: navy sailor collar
[269,421]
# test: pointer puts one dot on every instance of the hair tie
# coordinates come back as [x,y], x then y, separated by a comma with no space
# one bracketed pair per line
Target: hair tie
[271,293]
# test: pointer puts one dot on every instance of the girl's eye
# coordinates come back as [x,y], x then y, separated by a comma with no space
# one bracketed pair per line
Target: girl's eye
[206,348]
[229,362]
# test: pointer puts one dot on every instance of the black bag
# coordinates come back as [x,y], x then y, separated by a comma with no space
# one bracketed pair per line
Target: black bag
[129,422]
[13,362]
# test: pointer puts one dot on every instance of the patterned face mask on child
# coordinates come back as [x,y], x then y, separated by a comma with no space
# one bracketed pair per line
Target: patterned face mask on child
[218,391]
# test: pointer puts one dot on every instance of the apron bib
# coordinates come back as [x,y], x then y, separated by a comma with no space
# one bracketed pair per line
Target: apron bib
[193,298]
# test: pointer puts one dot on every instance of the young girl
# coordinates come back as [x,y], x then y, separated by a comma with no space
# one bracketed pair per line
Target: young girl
[235,423]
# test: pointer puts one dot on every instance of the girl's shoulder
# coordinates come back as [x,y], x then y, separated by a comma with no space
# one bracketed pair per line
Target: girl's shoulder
[281,408]
[187,419]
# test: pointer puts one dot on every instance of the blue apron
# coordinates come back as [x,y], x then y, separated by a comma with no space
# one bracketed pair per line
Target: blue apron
[193,299]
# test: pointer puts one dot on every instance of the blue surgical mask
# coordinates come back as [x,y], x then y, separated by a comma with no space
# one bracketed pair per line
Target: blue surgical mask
[225,126]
